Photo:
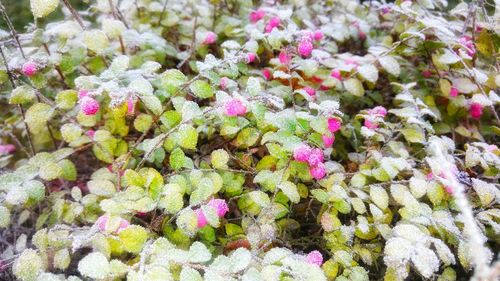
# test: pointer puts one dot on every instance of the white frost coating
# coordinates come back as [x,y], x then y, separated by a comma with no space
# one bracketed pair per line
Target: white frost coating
[480,255]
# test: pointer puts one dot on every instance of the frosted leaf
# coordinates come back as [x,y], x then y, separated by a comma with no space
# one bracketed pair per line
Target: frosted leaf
[425,261]
[95,40]
[189,274]
[275,254]
[28,266]
[408,232]
[101,187]
[354,86]
[113,28]
[94,265]
[397,252]
[120,64]
[42,8]
[22,94]
[47,276]
[37,116]
[390,64]
[402,195]
[418,187]
[16,196]
[4,217]
[62,259]
[252,275]
[253,86]
[290,190]
[70,132]
[486,191]
[198,253]
[369,72]
[240,259]
[379,196]
[443,252]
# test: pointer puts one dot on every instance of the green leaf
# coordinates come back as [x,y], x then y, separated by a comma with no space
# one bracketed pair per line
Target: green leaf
[143,122]
[390,65]
[379,196]
[414,134]
[177,159]
[28,265]
[37,116]
[290,190]
[21,95]
[4,217]
[172,80]
[133,238]
[201,89]
[354,86]
[219,159]
[247,137]
[95,40]
[188,136]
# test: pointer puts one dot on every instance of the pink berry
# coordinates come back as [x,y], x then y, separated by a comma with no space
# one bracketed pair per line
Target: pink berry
[101,222]
[315,257]
[223,83]
[302,153]
[427,73]
[273,22]
[305,47]
[453,92]
[200,216]
[90,133]
[284,57]
[315,157]
[210,38]
[89,105]
[251,57]
[29,68]
[256,16]
[220,206]
[318,35]
[7,148]
[267,74]
[130,106]
[476,110]
[123,224]
[235,107]
[310,91]
[327,140]
[336,74]
[378,110]
[334,124]
[361,35]
[318,172]
[370,125]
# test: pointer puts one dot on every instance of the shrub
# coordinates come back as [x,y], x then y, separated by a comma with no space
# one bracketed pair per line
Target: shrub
[221,140]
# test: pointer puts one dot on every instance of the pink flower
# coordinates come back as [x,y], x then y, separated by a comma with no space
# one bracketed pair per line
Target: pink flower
[310,91]
[200,216]
[210,38]
[273,22]
[336,74]
[7,148]
[223,83]
[318,35]
[305,47]
[284,57]
[385,10]
[351,61]
[29,68]
[302,153]
[267,74]
[370,125]
[256,16]
[235,107]
[429,176]
[378,110]
[251,57]
[427,73]
[328,141]
[89,105]
[467,42]
[334,124]
[315,257]
[448,189]
[90,133]
[453,92]
[220,206]
[316,157]
[318,172]
[476,110]
[82,93]
[130,106]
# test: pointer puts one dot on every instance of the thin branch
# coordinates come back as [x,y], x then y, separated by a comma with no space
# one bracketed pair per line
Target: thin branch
[74,13]
[12,29]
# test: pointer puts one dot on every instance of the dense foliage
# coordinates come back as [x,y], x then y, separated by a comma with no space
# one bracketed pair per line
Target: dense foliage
[250,140]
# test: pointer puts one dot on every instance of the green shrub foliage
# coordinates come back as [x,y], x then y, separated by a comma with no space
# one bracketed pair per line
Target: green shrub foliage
[250,140]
